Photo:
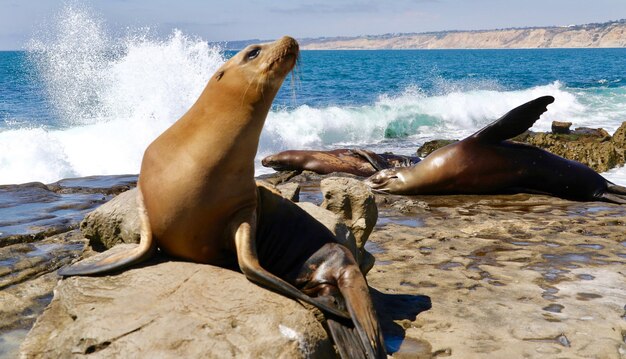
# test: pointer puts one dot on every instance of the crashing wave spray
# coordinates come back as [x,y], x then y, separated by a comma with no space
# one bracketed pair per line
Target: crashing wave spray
[112,96]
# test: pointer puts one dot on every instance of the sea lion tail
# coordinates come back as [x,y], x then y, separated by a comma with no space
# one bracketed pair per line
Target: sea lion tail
[365,340]
[107,262]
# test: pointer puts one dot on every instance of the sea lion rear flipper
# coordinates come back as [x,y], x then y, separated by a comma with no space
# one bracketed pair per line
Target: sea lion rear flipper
[249,264]
[116,261]
[333,276]
[615,188]
[374,159]
[514,122]
[613,198]
[355,292]
[346,339]
[614,193]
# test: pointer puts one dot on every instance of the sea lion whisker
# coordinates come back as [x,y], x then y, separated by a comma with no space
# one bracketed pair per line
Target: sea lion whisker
[243,96]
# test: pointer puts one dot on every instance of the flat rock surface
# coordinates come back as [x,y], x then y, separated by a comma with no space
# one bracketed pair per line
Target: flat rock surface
[519,276]
[32,211]
[174,310]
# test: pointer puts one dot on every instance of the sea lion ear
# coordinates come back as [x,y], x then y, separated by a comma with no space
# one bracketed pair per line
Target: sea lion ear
[219,75]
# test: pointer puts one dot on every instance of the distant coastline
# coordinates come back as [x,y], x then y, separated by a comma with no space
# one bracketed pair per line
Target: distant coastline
[597,35]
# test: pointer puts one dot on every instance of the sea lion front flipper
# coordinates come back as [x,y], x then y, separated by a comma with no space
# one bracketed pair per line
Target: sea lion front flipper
[248,259]
[143,251]
[514,122]
[374,159]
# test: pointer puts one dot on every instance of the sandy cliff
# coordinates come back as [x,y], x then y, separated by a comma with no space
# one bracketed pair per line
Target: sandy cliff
[610,34]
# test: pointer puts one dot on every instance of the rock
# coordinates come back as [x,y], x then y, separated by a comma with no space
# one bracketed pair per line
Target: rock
[619,141]
[175,310]
[588,147]
[600,133]
[27,278]
[277,178]
[291,191]
[115,222]
[546,274]
[355,204]
[23,261]
[431,146]
[33,211]
[561,127]
[619,137]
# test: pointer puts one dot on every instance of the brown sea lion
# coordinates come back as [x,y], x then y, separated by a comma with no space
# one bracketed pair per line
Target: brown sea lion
[197,196]
[486,162]
[355,161]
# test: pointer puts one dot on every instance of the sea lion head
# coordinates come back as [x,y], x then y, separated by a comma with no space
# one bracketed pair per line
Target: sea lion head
[387,180]
[258,70]
[284,161]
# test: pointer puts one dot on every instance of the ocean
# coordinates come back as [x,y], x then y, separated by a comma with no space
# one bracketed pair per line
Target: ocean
[82,100]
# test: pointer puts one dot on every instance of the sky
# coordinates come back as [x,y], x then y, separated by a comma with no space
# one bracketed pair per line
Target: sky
[229,20]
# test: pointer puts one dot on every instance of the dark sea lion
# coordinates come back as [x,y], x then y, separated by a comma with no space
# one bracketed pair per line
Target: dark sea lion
[355,161]
[197,196]
[486,163]
[296,247]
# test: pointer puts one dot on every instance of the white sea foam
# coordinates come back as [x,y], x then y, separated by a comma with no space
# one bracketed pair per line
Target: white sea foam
[616,175]
[111,106]
[450,115]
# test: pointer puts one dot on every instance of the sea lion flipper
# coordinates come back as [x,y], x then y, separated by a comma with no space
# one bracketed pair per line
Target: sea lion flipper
[332,275]
[374,159]
[249,264]
[110,263]
[614,193]
[346,339]
[614,188]
[613,198]
[514,122]
[354,289]
[119,260]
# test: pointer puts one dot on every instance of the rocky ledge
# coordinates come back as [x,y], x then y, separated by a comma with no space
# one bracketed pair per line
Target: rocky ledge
[205,310]
[177,310]
[455,276]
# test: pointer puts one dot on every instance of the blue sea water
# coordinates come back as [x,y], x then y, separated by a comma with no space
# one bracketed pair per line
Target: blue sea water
[80,101]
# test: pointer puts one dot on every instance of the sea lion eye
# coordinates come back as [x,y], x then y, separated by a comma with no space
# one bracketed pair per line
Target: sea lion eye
[253,53]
